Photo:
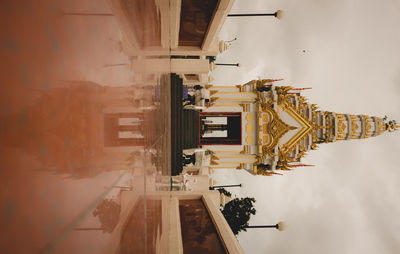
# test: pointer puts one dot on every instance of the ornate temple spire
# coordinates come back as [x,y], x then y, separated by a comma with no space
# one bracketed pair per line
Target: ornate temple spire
[300,89]
[391,126]
[319,127]
[336,126]
[282,127]
[301,165]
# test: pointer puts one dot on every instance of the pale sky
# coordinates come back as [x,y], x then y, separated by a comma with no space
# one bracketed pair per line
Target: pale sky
[349,202]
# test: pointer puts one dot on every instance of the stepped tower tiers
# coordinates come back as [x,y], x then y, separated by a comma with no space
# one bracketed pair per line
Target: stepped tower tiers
[278,127]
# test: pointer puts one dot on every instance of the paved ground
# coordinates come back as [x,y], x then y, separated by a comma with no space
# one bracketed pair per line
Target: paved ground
[58,191]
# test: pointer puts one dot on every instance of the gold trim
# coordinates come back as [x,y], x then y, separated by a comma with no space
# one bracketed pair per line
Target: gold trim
[233,99]
[226,105]
[226,151]
[264,118]
[246,107]
[255,169]
[306,129]
[245,149]
[223,167]
[240,87]
[241,166]
[213,157]
[236,162]
[237,157]
[249,140]
[249,128]
[230,86]
[212,92]
[214,99]
[252,93]
[275,129]
[214,163]
[265,129]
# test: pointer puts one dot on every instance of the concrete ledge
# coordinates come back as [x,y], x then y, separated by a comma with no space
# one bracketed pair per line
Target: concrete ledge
[117,10]
[218,19]
[175,18]
[228,238]
[175,244]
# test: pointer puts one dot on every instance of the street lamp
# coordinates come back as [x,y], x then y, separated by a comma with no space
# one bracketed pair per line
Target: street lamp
[278,14]
[280,226]
[228,64]
[234,39]
[225,186]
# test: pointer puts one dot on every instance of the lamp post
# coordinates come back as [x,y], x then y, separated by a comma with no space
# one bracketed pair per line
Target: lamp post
[228,64]
[224,186]
[280,226]
[278,14]
[234,39]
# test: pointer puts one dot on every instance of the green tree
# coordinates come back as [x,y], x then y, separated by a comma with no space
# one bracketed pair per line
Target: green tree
[108,213]
[237,213]
[211,59]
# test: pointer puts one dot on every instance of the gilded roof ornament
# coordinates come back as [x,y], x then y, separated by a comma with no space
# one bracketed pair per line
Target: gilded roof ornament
[275,129]
[315,126]
[391,126]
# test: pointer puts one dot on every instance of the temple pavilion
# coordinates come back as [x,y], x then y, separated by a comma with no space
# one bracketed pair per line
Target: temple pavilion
[264,129]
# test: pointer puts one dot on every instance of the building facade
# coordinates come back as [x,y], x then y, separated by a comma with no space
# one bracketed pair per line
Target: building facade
[264,129]
[178,36]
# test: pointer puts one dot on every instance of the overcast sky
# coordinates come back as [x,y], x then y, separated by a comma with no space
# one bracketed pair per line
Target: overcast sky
[348,202]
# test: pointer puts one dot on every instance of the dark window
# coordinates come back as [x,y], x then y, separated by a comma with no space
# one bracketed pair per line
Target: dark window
[198,231]
[133,238]
[233,128]
[195,19]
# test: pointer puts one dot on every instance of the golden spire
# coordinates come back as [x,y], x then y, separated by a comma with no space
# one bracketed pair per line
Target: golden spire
[315,126]
[391,126]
